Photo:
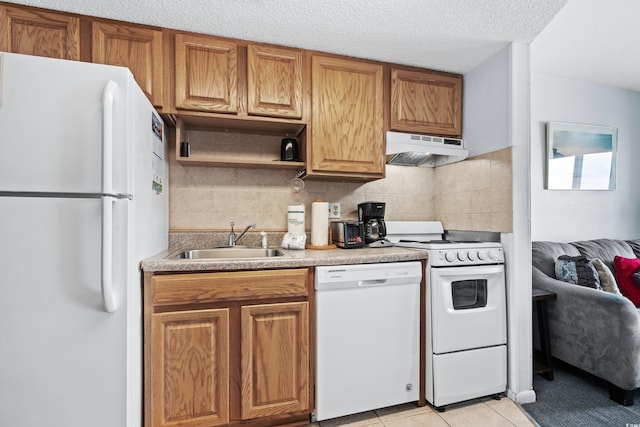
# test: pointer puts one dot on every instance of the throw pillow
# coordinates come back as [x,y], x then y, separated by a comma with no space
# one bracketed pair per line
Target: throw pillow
[624,269]
[577,270]
[607,279]
[636,277]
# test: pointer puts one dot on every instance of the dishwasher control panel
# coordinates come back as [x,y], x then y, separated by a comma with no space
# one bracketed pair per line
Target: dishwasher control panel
[397,273]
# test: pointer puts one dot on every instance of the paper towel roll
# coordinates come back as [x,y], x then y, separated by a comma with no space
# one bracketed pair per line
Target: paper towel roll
[295,219]
[320,223]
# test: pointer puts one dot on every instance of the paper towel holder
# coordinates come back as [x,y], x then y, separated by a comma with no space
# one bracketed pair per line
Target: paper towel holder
[329,244]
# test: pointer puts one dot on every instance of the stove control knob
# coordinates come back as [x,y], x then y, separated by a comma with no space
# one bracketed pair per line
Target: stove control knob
[472,255]
[450,256]
[494,255]
[482,255]
[462,256]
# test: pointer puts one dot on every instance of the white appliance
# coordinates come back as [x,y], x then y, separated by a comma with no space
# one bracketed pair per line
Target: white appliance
[408,149]
[466,314]
[83,196]
[367,337]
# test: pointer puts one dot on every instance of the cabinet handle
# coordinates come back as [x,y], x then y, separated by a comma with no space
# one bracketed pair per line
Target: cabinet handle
[108,295]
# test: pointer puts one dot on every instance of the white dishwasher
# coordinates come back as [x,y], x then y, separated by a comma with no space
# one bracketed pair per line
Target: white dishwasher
[367,337]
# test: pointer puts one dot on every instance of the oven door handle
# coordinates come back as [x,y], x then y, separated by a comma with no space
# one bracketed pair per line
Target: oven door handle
[469,270]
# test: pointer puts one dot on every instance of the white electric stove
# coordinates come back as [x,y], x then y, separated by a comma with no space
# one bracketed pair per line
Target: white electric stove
[466,332]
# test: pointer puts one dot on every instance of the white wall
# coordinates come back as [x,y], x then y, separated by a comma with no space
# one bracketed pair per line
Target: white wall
[485,112]
[565,215]
[497,115]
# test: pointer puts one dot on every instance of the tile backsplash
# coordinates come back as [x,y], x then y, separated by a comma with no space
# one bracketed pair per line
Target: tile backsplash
[474,194]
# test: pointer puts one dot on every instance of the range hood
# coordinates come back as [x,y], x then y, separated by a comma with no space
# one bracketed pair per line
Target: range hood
[408,149]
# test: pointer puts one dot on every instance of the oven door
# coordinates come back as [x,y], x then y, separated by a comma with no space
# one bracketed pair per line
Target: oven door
[468,307]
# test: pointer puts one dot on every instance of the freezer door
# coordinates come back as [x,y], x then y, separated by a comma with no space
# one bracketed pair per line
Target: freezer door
[63,356]
[51,120]
[149,177]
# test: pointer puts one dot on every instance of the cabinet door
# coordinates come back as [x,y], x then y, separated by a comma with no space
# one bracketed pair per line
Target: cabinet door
[139,49]
[425,102]
[274,81]
[34,32]
[190,368]
[275,359]
[206,74]
[347,133]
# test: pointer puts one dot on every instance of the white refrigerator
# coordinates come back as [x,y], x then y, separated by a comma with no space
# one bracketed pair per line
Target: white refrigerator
[83,198]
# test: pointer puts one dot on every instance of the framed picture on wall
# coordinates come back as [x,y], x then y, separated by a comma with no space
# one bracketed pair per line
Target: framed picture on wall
[581,157]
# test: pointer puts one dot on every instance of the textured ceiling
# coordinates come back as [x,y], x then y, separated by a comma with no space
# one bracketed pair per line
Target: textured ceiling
[593,40]
[449,35]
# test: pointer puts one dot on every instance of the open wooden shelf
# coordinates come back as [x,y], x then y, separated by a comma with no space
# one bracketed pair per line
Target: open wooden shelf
[240,124]
[247,163]
[271,127]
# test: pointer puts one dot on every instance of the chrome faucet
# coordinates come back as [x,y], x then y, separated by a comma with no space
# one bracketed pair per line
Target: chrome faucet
[232,236]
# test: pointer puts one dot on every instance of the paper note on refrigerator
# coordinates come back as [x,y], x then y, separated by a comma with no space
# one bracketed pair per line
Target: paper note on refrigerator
[157,160]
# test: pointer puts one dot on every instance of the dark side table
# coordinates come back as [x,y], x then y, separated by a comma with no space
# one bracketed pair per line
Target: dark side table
[542,364]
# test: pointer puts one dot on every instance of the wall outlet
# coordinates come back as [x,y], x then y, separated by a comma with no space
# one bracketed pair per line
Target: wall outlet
[334,210]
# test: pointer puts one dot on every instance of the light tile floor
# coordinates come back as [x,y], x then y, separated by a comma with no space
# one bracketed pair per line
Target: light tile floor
[480,413]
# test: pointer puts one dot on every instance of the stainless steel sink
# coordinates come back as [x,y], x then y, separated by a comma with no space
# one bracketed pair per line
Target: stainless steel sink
[228,252]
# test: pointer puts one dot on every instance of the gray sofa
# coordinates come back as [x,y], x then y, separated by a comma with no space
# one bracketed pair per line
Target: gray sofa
[591,329]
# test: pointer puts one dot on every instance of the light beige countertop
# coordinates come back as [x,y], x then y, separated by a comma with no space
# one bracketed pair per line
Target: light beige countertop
[292,259]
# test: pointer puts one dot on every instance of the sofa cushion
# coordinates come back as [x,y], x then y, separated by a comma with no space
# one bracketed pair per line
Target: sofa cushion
[635,246]
[607,279]
[624,269]
[605,249]
[545,254]
[577,270]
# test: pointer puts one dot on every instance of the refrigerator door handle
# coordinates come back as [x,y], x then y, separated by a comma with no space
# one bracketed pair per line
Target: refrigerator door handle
[64,195]
[108,295]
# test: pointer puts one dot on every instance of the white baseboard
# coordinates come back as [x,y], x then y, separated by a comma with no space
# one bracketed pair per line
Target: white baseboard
[526,396]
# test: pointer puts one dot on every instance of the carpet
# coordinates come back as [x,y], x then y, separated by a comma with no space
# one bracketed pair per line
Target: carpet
[575,398]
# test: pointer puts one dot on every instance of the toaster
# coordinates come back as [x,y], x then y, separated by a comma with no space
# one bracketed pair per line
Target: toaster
[347,234]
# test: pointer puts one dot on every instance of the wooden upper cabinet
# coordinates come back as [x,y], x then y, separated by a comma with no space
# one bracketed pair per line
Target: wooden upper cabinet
[275,359]
[426,102]
[206,74]
[274,81]
[40,33]
[347,133]
[138,48]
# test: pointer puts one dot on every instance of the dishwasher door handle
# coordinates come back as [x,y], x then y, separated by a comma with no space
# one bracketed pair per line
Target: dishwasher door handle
[376,282]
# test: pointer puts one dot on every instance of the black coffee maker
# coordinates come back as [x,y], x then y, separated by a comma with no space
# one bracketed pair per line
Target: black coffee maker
[371,215]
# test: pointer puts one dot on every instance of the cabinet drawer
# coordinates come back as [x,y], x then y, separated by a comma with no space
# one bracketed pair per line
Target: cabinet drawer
[175,289]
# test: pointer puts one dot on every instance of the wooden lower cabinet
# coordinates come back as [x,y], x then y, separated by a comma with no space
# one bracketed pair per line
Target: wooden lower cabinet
[227,358]
[275,359]
[190,386]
